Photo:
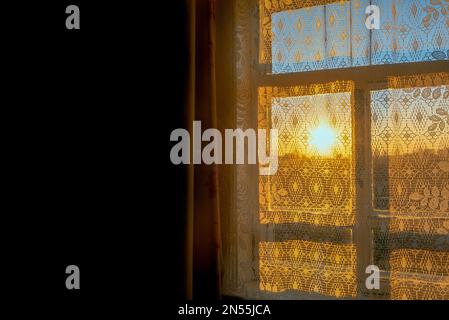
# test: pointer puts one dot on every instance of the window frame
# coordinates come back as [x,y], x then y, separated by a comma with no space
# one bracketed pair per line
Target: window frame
[249,71]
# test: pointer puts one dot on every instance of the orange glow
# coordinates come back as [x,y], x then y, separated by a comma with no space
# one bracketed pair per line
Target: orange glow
[312,267]
[315,180]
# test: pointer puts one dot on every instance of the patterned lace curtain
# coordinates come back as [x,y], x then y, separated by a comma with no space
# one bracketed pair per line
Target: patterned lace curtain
[297,234]
[314,187]
[309,203]
[299,35]
[410,147]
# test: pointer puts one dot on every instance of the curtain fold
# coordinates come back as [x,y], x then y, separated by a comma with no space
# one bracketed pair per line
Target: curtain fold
[203,234]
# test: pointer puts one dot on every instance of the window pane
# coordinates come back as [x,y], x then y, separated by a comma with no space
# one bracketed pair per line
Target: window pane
[298,40]
[299,36]
[411,31]
[419,274]
[313,190]
[410,145]
[312,267]
[314,182]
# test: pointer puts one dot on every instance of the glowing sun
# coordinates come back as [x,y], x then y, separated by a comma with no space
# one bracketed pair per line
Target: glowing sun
[323,139]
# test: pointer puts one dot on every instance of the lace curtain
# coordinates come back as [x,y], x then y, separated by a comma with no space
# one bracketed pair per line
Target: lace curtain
[410,151]
[299,36]
[293,233]
[410,146]
[314,185]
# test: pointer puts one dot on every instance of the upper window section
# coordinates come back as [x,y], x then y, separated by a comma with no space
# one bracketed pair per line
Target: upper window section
[411,31]
[298,35]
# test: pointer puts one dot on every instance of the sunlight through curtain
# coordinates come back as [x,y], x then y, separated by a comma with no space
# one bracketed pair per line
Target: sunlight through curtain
[314,185]
[410,146]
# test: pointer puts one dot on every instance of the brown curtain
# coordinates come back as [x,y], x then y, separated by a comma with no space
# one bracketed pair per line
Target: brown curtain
[203,228]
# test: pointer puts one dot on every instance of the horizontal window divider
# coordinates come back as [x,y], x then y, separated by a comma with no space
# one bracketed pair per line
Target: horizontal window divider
[307,232]
[386,215]
[368,74]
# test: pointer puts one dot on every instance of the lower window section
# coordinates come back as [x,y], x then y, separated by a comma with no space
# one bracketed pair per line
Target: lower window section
[308,210]
[311,267]
[419,274]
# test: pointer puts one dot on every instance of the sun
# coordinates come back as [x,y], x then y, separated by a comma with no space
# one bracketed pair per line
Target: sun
[323,139]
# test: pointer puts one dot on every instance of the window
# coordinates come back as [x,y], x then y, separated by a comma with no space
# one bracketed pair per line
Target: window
[317,35]
[363,120]
[410,149]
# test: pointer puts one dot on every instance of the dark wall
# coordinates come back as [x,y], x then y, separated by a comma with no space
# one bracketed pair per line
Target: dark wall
[91,116]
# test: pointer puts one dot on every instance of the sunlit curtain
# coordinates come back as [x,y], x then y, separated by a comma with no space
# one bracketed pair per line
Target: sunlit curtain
[363,173]
[314,186]
[314,183]
[410,147]
[299,36]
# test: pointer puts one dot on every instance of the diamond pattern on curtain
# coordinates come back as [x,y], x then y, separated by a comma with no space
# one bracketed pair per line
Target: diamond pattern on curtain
[298,36]
[410,150]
